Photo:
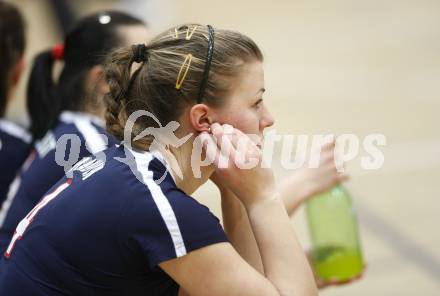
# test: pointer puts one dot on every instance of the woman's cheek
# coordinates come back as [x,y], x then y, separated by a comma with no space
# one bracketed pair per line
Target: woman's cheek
[248,123]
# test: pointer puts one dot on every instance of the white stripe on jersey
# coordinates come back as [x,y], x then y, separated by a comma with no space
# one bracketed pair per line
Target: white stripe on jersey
[71,116]
[94,140]
[15,131]
[13,188]
[162,203]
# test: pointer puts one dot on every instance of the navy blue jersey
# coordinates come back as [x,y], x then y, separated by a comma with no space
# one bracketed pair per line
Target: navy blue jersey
[104,230]
[76,135]
[15,146]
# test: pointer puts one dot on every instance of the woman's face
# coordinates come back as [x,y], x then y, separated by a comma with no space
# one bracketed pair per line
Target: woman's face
[244,109]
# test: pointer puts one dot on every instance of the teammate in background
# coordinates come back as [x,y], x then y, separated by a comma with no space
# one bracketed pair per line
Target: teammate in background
[15,142]
[112,230]
[69,111]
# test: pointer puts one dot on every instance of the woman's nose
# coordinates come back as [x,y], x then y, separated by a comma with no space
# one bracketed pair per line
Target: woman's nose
[267,119]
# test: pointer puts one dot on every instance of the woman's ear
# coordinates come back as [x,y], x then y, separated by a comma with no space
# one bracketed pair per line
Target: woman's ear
[200,116]
[18,71]
[96,80]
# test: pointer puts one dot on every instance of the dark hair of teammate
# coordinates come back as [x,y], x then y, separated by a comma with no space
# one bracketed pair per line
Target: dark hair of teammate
[84,47]
[12,45]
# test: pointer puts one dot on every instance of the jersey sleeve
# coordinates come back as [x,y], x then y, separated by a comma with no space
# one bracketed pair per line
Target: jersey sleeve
[167,225]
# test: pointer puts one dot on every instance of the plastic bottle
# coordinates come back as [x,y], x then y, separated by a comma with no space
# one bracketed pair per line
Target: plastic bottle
[336,252]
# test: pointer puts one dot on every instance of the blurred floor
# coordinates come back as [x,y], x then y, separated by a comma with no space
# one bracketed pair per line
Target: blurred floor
[341,66]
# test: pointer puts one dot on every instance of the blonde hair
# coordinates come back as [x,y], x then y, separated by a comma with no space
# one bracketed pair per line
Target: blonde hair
[158,85]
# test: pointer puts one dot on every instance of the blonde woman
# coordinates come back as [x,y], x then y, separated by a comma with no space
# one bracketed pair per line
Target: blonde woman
[110,228]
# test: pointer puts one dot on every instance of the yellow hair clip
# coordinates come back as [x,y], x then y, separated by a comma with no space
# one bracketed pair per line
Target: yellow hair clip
[189,32]
[186,63]
[189,35]
[176,33]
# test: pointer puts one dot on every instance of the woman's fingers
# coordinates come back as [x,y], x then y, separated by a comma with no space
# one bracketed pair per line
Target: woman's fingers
[222,135]
[326,158]
[236,145]
[342,177]
[209,145]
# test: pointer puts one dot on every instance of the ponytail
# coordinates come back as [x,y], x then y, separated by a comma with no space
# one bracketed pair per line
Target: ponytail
[85,46]
[42,104]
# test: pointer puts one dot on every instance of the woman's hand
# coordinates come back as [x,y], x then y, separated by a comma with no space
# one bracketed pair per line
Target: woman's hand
[303,183]
[306,182]
[321,283]
[237,160]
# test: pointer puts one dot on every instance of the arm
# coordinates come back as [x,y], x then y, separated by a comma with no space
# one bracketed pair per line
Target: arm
[219,270]
[286,271]
[238,229]
[305,182]
[283,258]
[294,190]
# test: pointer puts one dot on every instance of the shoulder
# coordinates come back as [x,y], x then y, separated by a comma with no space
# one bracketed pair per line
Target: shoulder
[8,128]
[163,220]
[15,145]
[87,127]
[154,177]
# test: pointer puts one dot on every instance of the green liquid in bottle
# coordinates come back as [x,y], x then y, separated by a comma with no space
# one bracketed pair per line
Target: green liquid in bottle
[336,263]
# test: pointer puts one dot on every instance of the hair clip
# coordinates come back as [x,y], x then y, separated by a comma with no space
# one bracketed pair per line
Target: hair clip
[189,35]
[175,34]
[182,73]
[58,52]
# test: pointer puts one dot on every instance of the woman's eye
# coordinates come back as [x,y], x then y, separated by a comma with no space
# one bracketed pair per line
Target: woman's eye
[258,103]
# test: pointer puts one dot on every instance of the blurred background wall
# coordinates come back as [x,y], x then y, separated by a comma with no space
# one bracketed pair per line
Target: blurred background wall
[334,66]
